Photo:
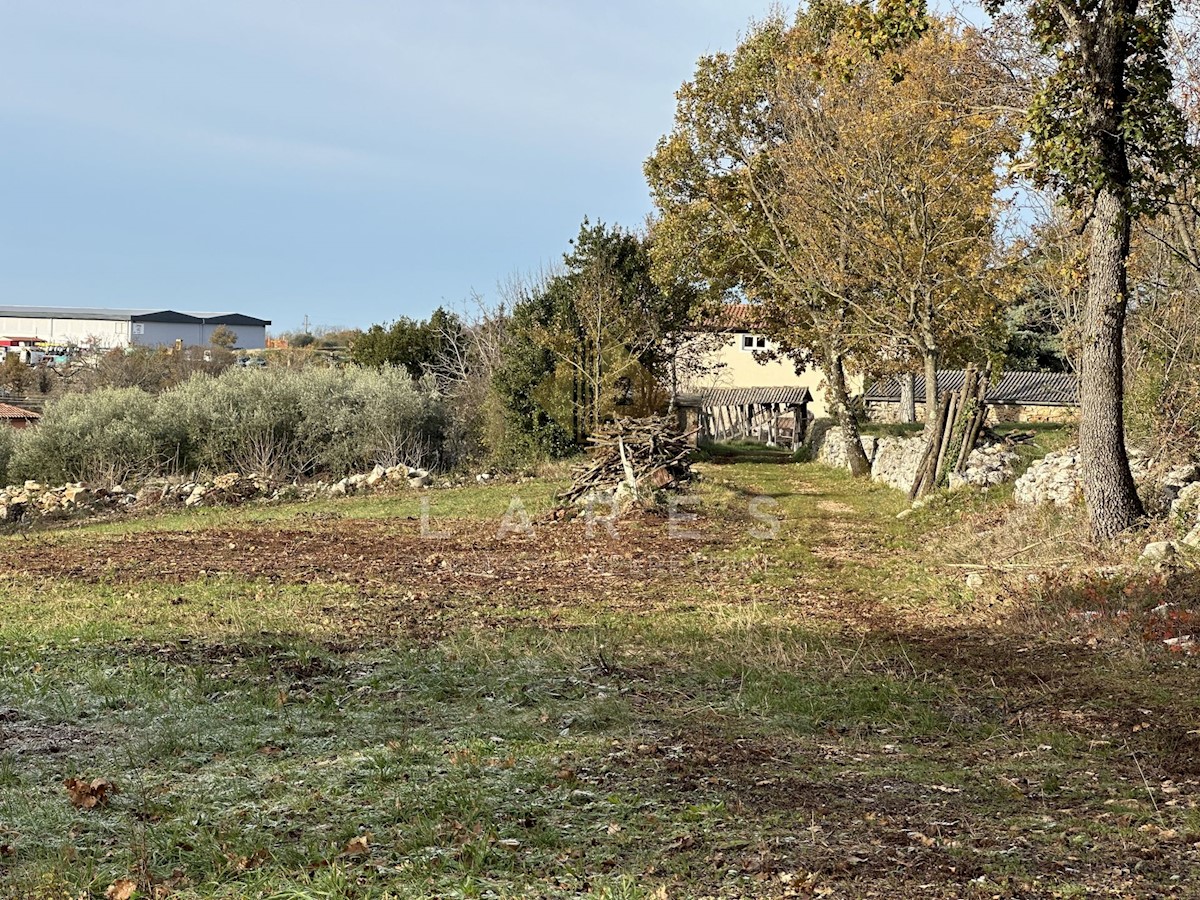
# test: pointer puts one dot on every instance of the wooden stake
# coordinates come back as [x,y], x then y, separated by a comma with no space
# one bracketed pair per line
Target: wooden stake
[947,430]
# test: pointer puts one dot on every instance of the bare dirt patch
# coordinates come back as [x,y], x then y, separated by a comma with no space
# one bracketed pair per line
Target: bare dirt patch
[461,556]
[20,735]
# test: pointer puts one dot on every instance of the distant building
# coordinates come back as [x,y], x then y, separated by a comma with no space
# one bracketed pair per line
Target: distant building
[730,361]
[105,329]
[734,387]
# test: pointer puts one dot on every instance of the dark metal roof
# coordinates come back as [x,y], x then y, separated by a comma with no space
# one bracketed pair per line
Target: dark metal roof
[753,396]
[1026,388]
[229,319]
[168,315]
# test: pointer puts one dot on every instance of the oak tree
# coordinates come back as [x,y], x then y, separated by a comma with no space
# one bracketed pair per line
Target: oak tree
[1107,135]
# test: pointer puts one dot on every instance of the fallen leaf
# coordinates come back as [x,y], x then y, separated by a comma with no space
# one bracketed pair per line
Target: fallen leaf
[357,846]
[89,794]
[121,889]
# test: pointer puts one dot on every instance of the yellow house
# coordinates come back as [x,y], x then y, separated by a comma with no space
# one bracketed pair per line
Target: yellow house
[731,357]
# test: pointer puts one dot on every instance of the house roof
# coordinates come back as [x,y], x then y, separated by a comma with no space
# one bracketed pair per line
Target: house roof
[8,411]
[754,396]
[118,314]
[1025,388]
[733,317]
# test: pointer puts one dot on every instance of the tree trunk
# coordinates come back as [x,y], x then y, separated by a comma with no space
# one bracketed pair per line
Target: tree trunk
[1108,487]
[930,360]
[908,397]
[839,395]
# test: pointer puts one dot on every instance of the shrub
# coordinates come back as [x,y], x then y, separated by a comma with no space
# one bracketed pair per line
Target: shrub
[357,418]
[280,423]
[243,420]
[102,437]
[8,440]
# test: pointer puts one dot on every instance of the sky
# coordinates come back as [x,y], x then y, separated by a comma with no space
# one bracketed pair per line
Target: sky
[350,162]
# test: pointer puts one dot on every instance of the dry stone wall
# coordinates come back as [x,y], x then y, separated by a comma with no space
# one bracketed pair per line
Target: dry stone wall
[1055,478]
[894,460]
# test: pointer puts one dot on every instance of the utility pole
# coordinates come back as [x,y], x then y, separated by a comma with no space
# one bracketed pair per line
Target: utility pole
[306,324]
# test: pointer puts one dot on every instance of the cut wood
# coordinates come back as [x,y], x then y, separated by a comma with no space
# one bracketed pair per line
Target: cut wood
[634,452]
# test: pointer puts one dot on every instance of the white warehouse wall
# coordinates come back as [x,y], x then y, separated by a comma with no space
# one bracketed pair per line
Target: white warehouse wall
[106,333]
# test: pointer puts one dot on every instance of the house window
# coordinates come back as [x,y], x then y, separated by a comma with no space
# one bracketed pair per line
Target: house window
[751,342]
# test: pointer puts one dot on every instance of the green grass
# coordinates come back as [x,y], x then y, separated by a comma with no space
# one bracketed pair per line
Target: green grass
[807,711]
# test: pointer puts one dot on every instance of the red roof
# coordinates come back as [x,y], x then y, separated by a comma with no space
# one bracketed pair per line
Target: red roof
[733,317]
[15,412]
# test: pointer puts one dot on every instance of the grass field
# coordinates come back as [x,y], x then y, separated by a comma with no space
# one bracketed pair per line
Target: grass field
[791,694]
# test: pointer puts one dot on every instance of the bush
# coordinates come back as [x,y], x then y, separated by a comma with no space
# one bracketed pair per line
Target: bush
[357,418]
[102,437]
[280,423]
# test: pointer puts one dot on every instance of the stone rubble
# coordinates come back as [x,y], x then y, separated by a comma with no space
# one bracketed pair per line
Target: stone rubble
[1055,478]
[23,503]
[30,500]
[1174,493]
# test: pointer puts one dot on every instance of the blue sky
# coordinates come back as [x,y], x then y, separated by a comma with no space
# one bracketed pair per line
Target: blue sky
[349,161]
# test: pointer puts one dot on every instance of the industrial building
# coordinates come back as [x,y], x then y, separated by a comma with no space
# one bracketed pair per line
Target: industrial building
[105,329]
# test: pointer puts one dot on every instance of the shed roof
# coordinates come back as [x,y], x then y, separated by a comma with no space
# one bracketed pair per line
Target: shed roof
[754,396]
[1025,388]
[7,411]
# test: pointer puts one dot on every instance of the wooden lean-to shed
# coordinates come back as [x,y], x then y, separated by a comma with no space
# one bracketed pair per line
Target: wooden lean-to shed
[773,415]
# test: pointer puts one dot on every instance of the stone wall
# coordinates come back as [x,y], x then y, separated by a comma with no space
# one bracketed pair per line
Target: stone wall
[894,460]
[889,413]
[1056,478]
[1015,412]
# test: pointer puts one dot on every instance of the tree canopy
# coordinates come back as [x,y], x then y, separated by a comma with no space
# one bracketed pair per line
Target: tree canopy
[839,171]
[408,343]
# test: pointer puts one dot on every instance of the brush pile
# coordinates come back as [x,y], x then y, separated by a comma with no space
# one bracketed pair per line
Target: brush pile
[632,456]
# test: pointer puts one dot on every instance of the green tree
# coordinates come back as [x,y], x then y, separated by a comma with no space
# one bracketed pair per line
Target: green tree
[408,343]
[1049,284]
[223,338]
[1107,135]
[15,376]
[526,428]
[603,327]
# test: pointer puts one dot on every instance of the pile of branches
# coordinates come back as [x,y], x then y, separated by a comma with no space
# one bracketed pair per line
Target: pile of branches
[641,454]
